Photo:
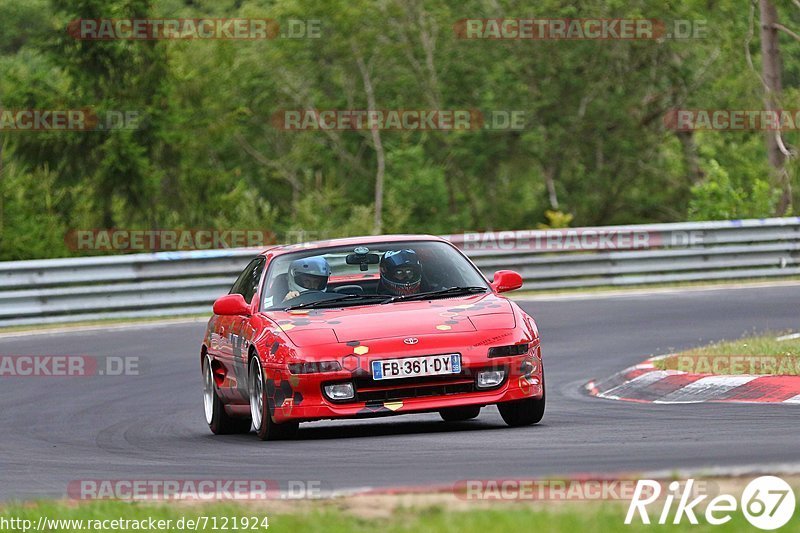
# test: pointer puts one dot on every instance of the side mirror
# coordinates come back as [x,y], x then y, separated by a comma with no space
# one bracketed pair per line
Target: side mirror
[506,280]
[231,304]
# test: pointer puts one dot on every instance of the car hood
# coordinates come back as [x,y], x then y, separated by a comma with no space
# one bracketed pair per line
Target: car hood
[307,327]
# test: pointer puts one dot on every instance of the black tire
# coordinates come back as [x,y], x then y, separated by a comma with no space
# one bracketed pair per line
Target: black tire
[522,412]
[459,414]
[265,427]
[220,422]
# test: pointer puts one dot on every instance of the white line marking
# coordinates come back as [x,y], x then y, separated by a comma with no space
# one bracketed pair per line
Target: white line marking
[751,470]
[639,382]
[705,389]
[631,293]
[788,337]
[795,399]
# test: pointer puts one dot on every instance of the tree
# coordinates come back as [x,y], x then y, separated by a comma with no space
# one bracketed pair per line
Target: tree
[771,76]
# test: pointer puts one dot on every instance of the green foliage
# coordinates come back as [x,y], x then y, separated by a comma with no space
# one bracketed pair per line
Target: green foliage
[328,213]
[27,204]
[345,516]
[24,21]
[416,193]
[207,154]
[556,220]
[718,198]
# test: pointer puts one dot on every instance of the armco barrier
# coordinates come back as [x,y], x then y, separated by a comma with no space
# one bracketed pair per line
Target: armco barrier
[172,283]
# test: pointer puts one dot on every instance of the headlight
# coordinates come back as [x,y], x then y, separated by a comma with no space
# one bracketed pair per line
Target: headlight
[512,349]
[314,368]
[340,391]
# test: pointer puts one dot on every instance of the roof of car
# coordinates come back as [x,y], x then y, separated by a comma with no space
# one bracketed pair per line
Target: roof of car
[348,241]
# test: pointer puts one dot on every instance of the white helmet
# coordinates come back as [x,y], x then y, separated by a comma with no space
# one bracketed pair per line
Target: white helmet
[310,273]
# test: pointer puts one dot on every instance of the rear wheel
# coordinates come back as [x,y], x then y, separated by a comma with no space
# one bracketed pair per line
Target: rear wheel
[522,412]
[265,428]
[220,422]
[459,414]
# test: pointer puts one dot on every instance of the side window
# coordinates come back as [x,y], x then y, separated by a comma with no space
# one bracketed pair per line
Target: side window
[240,286]
[251,281]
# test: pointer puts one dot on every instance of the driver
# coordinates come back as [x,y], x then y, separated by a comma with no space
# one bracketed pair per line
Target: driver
[309,274]
[401,273]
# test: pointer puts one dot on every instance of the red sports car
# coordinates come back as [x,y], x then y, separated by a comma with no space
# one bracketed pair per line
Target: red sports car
[366,327]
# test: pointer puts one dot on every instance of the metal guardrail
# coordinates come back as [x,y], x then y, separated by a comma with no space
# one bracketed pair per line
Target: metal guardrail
[175,283]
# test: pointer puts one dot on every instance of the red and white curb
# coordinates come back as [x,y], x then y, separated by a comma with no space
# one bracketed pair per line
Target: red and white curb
[645,383]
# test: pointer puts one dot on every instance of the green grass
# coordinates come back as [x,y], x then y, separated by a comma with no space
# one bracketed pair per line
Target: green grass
[327,517]
[761,354]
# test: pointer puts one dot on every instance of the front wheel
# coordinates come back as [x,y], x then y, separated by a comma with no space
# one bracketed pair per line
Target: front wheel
[265,427]
[220,422]
[522,412]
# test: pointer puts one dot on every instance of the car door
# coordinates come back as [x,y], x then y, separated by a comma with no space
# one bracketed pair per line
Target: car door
[239,332]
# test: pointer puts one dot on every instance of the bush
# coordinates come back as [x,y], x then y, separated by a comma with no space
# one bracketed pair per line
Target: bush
[717,198]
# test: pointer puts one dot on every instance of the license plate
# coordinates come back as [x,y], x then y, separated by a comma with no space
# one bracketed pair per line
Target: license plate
[408,367]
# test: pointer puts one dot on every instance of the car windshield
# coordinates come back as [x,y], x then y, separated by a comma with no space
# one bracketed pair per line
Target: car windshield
[373,273]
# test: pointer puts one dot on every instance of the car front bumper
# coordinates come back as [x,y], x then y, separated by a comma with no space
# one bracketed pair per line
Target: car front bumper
[301,397]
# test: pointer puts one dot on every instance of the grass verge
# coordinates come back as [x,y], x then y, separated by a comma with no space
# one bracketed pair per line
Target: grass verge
[108,322]
[761,355]
[330,518]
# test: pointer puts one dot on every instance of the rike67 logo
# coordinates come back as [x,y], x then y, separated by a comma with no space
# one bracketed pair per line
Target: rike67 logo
[767,502]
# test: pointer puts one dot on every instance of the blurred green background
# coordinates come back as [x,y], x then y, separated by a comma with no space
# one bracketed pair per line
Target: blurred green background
[594,151]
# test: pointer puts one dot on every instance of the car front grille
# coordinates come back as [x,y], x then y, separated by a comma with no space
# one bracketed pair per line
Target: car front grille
[414,391]
[370,390]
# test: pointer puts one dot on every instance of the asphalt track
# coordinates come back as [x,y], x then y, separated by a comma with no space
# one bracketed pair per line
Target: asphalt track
[151,426]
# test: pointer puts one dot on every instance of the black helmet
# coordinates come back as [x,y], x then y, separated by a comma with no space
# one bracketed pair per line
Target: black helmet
[401,272]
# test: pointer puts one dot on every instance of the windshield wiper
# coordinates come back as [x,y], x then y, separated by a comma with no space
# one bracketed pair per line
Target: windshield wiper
[384,298]
[339,298]
[435,294]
